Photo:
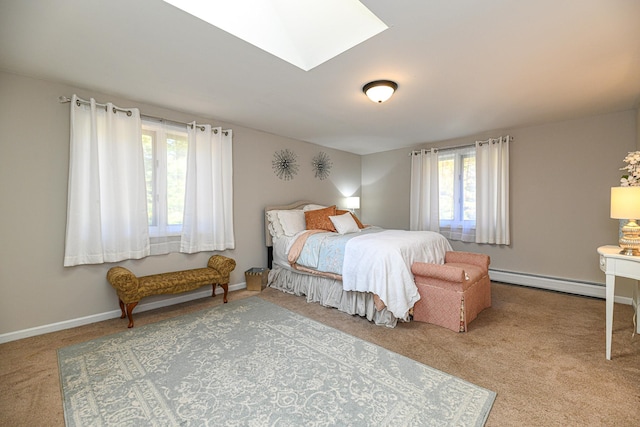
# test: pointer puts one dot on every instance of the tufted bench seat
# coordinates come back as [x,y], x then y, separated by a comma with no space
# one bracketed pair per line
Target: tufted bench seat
[132,289]
[452,294]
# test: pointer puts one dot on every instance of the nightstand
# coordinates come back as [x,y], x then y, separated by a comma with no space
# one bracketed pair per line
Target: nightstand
[614,264]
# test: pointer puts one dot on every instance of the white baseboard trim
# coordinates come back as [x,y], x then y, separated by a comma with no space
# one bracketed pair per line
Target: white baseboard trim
[72,323]
[587,289]
[595,290]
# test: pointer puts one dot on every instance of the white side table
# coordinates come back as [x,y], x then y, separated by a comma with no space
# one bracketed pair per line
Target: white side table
[614,264]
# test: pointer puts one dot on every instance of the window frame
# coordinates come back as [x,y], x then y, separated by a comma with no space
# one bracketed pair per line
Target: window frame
[158,218]
[458,220]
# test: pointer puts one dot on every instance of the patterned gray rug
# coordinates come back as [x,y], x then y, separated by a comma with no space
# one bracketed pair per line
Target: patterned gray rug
[253,363]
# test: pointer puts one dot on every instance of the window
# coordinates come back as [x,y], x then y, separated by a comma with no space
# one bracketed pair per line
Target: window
[165,165]
[463,192]
[457,193]
[145,187]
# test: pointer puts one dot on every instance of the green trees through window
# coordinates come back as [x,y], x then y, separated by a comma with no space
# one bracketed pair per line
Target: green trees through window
[457,186]
[165,163]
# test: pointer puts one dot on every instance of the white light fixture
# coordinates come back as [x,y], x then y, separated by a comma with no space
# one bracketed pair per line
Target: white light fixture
[380,90]
[625,204]
[353,203]
[305,33]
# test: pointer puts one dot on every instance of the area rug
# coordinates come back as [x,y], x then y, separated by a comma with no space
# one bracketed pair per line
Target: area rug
[253,363]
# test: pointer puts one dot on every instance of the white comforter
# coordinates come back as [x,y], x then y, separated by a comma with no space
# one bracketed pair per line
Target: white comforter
[381,263]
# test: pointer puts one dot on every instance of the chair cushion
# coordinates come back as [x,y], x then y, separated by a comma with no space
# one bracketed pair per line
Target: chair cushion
[473,273]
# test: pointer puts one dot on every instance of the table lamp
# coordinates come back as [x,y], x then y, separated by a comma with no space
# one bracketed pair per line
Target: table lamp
[625,204]
[353,203]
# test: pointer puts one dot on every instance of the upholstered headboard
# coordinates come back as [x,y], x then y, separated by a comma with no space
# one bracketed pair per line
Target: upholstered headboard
[294,205]
[267,236]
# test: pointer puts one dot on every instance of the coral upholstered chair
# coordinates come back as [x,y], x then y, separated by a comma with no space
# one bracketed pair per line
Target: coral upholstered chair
[452,294]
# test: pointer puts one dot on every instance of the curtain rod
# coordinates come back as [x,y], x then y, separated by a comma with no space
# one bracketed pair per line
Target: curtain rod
[486,141]
[63,100]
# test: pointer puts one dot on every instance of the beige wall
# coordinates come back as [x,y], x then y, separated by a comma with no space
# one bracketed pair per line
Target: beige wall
[560,176]
[638,128]
[35,289]
[559,193]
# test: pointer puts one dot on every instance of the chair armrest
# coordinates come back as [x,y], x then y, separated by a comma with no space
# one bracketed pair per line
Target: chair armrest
[438,271]
[481,260]
[223,265]
[123,280]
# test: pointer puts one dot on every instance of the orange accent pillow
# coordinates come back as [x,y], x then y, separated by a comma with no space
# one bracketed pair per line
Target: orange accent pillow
[342,212]
[319,219]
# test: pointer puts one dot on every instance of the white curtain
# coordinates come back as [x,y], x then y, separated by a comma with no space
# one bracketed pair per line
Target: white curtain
[424,199]
[492,191]
[208,210]
[106,213]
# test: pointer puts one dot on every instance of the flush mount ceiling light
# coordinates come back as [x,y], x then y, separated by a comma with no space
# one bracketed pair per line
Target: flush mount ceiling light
[305,33]
[380,90]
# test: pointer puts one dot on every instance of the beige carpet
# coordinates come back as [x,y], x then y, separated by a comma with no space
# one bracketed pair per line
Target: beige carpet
[542,352]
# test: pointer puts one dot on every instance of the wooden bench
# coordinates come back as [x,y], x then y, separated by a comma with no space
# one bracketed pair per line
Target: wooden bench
[132,289]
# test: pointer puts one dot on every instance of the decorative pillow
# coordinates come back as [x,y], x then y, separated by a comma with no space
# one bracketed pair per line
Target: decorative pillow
[355,218]
[274,226]
[319,219]
[345,223]
[292,221]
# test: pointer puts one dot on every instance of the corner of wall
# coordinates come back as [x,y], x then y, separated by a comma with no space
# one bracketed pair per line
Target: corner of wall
[638,126]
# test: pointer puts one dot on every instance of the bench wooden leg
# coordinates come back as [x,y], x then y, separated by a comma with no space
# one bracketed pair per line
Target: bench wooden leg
[225,287]
[124,313]
[130,308]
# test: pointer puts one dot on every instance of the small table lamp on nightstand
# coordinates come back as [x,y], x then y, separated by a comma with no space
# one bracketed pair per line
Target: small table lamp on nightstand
[353,203]
[625,204]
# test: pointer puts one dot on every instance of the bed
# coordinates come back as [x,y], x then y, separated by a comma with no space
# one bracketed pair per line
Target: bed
[328,256]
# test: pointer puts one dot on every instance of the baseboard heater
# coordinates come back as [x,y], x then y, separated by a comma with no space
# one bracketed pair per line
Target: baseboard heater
[588,289]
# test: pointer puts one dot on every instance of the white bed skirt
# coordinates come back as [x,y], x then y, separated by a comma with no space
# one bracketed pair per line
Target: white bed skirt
[329,293]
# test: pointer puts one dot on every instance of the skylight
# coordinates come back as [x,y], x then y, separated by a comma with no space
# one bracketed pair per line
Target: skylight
[305,33]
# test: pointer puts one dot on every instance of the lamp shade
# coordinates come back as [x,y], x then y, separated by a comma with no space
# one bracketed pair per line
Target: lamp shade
[353,202]
[380,90]
[625,202]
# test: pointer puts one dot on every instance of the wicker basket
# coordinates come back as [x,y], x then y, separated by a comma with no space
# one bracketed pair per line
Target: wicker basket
[256,278]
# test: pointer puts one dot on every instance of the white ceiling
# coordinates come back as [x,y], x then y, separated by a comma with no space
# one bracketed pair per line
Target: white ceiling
[462,67]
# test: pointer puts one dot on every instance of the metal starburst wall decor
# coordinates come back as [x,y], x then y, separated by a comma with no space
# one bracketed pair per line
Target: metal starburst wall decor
[321,165]
[284,164]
